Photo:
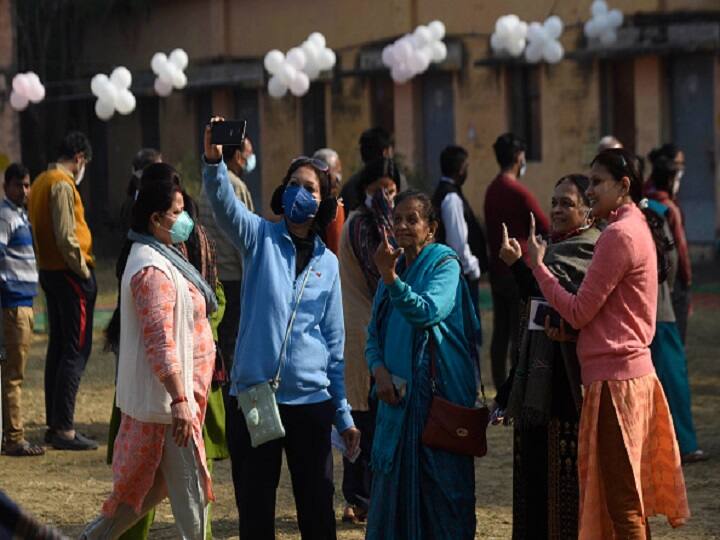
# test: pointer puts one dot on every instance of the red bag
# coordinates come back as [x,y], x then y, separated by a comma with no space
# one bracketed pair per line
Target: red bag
[452,427]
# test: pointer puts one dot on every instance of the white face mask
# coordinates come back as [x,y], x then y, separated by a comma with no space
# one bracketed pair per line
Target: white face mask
[80,175]
[523,169]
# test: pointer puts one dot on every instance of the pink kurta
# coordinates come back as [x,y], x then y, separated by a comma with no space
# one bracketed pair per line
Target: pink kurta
[139,445]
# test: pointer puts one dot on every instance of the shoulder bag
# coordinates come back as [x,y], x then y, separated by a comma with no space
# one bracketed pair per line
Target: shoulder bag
[452,427]
[258,402]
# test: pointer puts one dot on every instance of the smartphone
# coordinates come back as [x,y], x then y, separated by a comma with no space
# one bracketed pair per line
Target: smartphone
[543,311]
[229,132]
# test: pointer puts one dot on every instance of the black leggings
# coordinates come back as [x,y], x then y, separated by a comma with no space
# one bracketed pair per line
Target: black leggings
[256,471]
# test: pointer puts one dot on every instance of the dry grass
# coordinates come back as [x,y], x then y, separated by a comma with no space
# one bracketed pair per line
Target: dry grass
[67,489]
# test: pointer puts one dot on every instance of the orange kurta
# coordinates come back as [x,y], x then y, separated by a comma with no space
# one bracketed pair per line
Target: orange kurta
[139,445]
[647,430]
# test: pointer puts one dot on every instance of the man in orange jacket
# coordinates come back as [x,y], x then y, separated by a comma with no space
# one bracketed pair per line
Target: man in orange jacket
[63,246]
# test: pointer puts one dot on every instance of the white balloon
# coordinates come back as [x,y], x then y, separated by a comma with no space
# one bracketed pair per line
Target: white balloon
[516,47]
[18,101]
[104,109]
[300,84]
[388,55]
[327,59]
[590,29]
[553,52]
[418,62]
[504,26]
[602,23]
[121,78]
[496,42]
[439,52]
[97,82]
[273,60]
[107,92]
[534,53]
[36,91]
[167,72]
[615,18]
[21,84]
[400,74]
[180,58]
[162,88]
[422,36]
[535,31]
[276,88]
[403,50]
[437,30]
[286,73]
[296,58]
[179,80]
[608,37]
[125,102]
[599,7]
[317,39]
[553,26]
[159,59]
[312,52]
[520,30]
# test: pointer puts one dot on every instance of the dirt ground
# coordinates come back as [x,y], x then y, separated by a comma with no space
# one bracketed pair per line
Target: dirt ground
[66,488]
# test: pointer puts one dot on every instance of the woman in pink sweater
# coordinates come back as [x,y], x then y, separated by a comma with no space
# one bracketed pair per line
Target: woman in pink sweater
[628,458]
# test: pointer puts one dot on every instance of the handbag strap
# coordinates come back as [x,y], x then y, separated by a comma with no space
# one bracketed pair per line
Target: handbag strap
[275,382]
[433,367]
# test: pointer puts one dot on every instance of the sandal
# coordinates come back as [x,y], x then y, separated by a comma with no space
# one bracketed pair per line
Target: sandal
[24,449]
[695,457]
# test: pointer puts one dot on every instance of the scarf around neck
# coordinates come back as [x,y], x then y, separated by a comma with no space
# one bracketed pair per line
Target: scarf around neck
[530,401]
[176,258]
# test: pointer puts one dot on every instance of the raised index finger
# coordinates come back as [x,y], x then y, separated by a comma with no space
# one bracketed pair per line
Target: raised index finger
[532,225]
[505,239]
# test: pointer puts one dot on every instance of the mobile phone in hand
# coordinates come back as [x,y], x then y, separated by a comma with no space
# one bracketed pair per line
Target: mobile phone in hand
[543,311]
[229,132]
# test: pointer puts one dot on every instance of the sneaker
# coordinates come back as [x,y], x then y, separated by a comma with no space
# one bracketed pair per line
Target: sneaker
[80,442]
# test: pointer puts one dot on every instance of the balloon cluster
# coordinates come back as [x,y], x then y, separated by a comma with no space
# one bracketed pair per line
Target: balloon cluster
[604,23]
[509,36]
[169,71]
[113,93]
[413,53]
[544,41]
[299,66]
[26,88]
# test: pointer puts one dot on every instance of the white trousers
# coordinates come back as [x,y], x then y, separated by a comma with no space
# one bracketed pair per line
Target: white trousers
[181,472]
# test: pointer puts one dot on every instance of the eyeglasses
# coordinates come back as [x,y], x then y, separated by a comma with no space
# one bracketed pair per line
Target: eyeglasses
[301,161]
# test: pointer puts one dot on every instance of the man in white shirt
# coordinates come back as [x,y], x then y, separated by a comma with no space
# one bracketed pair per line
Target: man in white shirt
[459,227]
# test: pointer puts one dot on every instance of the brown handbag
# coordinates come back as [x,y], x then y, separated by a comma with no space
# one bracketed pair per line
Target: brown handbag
[452,427]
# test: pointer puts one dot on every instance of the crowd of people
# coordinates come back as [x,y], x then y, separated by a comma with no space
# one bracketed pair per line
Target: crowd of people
[339,321]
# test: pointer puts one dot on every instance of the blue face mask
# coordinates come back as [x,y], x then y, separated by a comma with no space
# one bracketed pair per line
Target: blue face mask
[181,229]
[250,163]
[298,204]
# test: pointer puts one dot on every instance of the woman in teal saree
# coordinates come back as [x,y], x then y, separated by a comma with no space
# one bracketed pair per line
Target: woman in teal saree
[419,492]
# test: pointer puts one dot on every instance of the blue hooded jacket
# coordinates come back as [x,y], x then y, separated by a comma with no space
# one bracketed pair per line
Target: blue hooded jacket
[314,367]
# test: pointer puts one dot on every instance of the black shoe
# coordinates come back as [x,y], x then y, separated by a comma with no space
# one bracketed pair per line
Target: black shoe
[78,443]
[48,435]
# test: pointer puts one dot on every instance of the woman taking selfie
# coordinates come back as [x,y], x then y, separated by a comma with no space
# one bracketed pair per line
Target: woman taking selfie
[288,371]
[626,437]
